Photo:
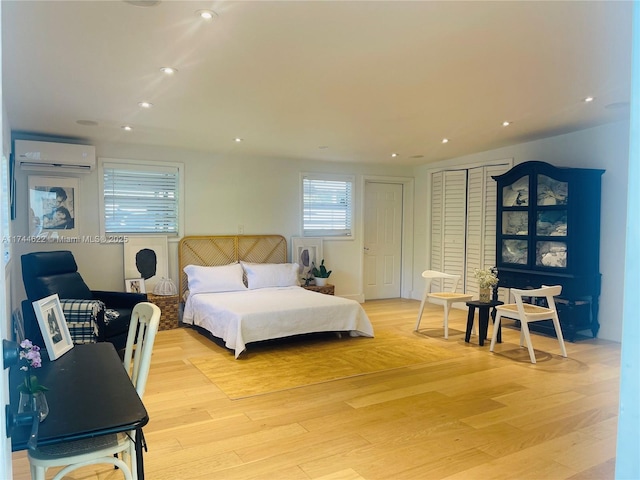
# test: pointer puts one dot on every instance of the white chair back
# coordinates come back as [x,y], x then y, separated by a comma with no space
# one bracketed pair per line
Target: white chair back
[431,275]
[543,292]
[145,321]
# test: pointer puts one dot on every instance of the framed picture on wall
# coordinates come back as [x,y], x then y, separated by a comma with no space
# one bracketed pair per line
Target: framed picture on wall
[305,251]
[146,258]
[53,203]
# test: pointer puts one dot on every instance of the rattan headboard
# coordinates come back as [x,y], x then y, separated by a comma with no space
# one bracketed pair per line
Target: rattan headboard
[211,251]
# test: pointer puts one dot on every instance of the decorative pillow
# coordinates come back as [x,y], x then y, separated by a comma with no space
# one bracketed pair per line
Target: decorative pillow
[226,278]
[264,275]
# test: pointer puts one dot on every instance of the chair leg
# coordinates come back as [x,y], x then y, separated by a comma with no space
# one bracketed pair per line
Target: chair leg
[524,331]
[424,299]
[556,325]
[446,321]
[37,472]
[496,327]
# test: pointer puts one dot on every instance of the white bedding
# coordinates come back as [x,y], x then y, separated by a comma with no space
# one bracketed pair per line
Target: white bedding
[247,316]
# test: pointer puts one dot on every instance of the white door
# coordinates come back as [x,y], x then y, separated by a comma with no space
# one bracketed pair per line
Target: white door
[448,221]
[382,240]
[481,222]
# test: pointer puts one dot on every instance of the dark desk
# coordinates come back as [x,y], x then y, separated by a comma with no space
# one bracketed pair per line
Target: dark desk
[483,319]
[90,394]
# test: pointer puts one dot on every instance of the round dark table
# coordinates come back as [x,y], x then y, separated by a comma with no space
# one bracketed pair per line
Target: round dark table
[483,318]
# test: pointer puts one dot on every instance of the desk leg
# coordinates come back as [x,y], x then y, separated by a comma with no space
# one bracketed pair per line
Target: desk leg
[470,316]
[139,460]
[484,325]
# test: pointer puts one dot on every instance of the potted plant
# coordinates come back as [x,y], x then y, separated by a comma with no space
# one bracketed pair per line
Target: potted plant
[320,274]
[487,280]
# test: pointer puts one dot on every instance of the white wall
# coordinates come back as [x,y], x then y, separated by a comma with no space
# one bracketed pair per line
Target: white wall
[221,193]
[605,147]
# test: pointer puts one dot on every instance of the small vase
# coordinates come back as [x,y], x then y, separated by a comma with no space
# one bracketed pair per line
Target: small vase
[34,402]
[321,282]
[485,295]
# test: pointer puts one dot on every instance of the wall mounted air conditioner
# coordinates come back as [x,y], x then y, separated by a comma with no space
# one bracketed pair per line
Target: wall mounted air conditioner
[55,157]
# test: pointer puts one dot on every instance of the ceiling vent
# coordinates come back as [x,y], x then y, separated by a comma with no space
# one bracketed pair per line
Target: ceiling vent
[55,157]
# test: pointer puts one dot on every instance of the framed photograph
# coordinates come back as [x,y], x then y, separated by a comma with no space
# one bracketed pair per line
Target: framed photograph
[146,258]
[134,285]
[305,251]
[53,326]
[53,206]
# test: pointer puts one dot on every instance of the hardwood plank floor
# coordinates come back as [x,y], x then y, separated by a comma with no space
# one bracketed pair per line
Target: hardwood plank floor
[478,415]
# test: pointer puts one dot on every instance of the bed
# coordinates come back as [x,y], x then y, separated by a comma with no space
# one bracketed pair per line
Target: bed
[240,289]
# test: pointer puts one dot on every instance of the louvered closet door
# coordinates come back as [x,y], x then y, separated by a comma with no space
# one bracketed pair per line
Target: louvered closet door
[481,222]
[448,221]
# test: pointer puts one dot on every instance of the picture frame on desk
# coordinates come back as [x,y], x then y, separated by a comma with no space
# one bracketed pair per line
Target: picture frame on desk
[53,325]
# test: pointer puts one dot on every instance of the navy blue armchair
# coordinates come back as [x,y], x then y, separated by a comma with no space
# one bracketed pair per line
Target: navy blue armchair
[48,273]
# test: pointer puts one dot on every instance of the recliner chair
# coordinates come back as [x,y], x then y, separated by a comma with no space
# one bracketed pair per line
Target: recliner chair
[48,273]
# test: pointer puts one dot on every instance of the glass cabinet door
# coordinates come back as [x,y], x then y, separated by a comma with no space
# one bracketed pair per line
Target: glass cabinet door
[515,251]
[516,194]
[515,223]
[552,192]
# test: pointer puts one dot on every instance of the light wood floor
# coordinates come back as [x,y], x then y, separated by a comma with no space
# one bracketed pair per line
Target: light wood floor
[478,416]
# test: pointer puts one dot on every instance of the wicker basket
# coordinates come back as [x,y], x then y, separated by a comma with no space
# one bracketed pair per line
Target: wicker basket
[169,306]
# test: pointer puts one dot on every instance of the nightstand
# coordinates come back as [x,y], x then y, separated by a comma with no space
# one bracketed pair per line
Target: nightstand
[328,289]
[169,310]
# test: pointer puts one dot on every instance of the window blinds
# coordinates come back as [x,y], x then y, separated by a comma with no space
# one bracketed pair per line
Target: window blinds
[140,199]
[327,206]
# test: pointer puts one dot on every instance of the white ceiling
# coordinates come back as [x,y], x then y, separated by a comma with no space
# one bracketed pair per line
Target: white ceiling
[362,79]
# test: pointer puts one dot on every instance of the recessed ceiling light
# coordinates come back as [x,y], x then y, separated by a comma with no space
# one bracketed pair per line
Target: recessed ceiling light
[506,123]
[588,99]
[416,156]
[143,3]
[394,155]
[207,14]
[127,128]
[237,139]
[445,140]
[145,104]
[87,123]
[168,70]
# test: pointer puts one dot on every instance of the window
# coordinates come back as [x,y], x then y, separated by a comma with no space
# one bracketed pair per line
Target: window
[141,197]
[327,205]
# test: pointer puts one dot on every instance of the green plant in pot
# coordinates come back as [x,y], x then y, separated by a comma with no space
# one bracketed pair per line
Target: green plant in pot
[320,274]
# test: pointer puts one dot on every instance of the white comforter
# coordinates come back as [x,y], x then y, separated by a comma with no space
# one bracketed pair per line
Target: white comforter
[253,315]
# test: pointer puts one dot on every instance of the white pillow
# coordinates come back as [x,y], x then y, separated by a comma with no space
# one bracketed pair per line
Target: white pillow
[226,278]
[264,275]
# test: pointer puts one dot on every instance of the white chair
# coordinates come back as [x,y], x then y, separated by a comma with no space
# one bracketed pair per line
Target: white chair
[527,313]
[145,320]
[442,297]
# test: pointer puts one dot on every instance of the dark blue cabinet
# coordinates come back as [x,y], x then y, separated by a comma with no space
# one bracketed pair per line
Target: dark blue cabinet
[548,233]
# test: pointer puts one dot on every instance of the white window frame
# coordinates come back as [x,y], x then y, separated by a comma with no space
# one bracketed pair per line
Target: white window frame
[144,165]
[328,233]
[5,204]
